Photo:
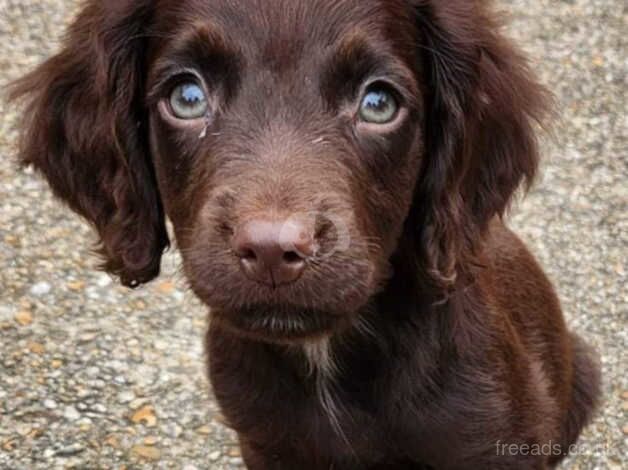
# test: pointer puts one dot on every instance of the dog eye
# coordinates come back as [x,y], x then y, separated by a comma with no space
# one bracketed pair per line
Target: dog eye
[379,105]
[188,101]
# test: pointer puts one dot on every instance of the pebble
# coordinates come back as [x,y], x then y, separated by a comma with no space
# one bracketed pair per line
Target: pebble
[88,337]
[71,413]
[24,317]
[234,452]
[126,396]
[70,450]
[103,280]
[99,408]
[119,380]
[76,285]
[151,440]
[41,288]
[36,348]
[146,452]
[145,415]
[23,429]
[50,404]
[204,430]
[236,461]
[173,430]
[136,403]
[93,372]
[85,423]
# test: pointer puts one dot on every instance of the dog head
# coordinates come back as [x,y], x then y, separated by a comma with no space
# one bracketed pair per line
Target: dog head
[297,146]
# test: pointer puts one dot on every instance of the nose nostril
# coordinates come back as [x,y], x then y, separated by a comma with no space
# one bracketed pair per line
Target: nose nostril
[292,257]
[248,255]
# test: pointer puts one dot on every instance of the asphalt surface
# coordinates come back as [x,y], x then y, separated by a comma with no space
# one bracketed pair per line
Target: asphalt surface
[95,376]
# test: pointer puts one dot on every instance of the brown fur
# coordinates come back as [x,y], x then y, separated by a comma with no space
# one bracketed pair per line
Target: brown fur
[432,335]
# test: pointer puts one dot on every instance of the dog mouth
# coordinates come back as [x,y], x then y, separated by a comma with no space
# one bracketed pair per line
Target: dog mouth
[279,323]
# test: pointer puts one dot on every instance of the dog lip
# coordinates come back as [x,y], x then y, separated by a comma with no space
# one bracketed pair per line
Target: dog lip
[278,322]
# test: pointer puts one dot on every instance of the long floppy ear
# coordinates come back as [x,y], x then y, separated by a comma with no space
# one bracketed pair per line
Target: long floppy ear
[83,128]
[482,106]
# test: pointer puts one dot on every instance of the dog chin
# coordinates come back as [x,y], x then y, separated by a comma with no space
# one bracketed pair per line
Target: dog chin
[285,324]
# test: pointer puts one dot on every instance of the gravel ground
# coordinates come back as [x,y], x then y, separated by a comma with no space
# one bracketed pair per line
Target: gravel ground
[95,376]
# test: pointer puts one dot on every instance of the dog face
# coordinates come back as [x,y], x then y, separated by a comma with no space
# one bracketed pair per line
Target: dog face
[287,142]
[296,146]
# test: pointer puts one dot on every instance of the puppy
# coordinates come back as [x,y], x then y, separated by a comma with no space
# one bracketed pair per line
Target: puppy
[335,172]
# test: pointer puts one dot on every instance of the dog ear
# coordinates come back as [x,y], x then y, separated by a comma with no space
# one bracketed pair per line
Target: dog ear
[84,129]
[481,111]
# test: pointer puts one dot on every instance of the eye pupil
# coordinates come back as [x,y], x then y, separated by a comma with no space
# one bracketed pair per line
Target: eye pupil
[188,101]
[378,106]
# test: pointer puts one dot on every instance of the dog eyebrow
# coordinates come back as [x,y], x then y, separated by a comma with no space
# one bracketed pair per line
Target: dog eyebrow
[203,47]
[358,57]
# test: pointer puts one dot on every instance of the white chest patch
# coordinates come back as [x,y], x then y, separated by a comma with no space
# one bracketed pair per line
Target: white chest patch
[321,364]
[319,357]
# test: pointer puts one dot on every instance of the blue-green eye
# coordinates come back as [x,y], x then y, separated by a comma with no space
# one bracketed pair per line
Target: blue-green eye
[188,101]
[378,106]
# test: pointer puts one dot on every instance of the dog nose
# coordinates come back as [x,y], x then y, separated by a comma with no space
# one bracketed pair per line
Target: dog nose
[273,252]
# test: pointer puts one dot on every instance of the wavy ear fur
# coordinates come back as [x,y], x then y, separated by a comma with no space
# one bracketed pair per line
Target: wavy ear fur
[482,106]
[83,129]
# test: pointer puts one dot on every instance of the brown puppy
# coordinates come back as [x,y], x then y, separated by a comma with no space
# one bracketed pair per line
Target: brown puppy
[335,171]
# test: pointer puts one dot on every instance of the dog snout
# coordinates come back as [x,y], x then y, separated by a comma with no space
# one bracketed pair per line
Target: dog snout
[273,252]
